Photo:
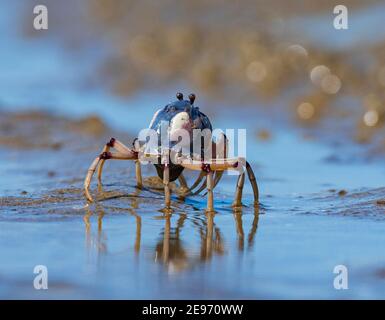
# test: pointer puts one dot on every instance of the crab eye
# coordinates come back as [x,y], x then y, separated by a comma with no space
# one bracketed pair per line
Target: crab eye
[179,96]
[191,96]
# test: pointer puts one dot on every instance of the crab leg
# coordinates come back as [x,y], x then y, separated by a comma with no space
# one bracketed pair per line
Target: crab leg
[113,143]
[166,180]
[203,186]
[198,181]
[253,182]
[183,182]
[87,181]
[238,193]
[101,165]
[217,178]
[195,184]
[138,174]
[131,155]
[220,145]
[210,195]
[215,164]
[138,167]
[220,166]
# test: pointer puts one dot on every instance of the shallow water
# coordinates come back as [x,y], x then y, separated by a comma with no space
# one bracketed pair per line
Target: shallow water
[318,206]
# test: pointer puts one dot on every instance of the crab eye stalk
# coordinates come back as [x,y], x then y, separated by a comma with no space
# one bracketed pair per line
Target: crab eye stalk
[191,96]
[179,96]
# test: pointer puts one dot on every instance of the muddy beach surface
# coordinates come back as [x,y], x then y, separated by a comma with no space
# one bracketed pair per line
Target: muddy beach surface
[318,159]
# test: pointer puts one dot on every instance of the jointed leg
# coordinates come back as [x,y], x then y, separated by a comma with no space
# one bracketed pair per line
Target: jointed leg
[183,187]
[166,180]
[198,181]
[202,175]
[253,182]
[183,182]
[123,153]
[203,186]
[217,177]
[219,149]
[209,183]
[195,184]
[215,165]
[219,166]
[101,165]
[210,196]
[90,173]
[138,168]
[238,192]
[113,143]
[138,174]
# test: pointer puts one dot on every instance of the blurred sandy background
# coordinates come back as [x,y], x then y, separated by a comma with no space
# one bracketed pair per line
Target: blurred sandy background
[282,56]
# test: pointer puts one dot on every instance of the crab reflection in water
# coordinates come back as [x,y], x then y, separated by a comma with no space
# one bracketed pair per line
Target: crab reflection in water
[170,249]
